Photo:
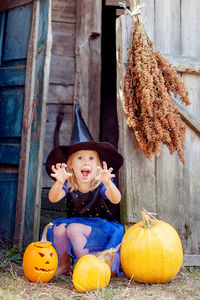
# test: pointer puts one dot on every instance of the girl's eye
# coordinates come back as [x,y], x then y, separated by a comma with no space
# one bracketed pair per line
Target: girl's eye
[79,157]
[91,157]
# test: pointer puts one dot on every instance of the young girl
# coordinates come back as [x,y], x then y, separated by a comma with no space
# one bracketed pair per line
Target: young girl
[82,175]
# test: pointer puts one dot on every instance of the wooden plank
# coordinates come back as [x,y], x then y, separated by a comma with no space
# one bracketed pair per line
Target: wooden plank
[64,133]
[4,168]
[148,17]
[190,196]
[9,153]
[191,260]
[26,130]
[115,2]
[47,205]
[167,16]
[62,70]
[4,5]
[88,62]
[64,11]
[17,33]
[2,28]
[65,129]
[190,24]
[188,118]
[11,112]
[63,39]
[43,93]
[182,64]
[12,76]
[95,69]
[8,191]
[120,12]
[137,170]
[192,85]
[170,206]
[60,94]
[47,182]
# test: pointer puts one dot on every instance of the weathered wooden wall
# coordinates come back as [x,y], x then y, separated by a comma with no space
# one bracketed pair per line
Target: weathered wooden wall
[75,76]
[165,185]
[61,89]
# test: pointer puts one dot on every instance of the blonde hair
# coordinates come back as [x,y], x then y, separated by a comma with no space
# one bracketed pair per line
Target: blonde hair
[72,182]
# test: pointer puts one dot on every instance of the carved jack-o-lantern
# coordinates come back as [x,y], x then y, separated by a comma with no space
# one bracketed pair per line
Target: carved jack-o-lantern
[40,260]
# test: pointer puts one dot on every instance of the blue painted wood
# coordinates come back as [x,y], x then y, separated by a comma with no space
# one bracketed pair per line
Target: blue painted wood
[8,192]
[9,154]
[11,112]
[17,32]
[14,30]
[36,126]
[2,25]
[13,47]
[12,76]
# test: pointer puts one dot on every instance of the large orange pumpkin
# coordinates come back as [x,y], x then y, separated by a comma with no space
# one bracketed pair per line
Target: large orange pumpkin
[151,251]
[40,260]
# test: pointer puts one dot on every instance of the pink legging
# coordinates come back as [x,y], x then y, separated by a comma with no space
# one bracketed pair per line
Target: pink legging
[77,233]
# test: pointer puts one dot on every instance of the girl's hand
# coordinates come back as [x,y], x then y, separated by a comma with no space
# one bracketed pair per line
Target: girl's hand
[60,173]
[104,175]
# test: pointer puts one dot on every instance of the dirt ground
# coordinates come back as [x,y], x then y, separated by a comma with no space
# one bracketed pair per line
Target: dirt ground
[14,285]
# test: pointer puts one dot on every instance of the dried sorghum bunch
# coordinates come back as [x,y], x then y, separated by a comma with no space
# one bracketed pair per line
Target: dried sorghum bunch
[148,103]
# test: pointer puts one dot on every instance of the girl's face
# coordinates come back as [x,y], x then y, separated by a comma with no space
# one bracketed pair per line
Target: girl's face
[84,164]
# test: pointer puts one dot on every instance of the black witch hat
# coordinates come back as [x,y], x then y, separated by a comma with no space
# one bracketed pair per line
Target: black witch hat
[81,139]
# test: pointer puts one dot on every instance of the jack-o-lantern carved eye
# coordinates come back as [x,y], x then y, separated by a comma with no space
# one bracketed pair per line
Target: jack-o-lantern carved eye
[41,254]
[51,254]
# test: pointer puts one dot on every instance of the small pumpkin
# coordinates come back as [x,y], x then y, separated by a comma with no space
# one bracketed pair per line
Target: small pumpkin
[151,251]
[92,272]
[40,260]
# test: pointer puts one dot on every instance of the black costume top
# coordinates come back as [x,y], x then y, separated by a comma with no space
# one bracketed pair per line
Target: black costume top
[91,204]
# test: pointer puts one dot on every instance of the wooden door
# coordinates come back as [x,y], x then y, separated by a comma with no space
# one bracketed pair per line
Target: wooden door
[165,185]
[12,75]
[23,51]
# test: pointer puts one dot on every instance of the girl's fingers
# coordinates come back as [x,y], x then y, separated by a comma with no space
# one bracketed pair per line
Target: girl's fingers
[63,165]
[104,165]
[58,166]
[53,168]
[53,175]
[110,170]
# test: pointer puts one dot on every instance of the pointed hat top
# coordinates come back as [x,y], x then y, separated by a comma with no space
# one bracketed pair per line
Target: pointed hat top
[80,132]
[81,139]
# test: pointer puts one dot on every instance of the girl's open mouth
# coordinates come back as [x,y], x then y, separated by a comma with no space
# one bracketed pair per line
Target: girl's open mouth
[85,173]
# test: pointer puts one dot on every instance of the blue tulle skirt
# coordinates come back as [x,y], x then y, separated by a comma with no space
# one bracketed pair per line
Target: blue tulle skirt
[104,235]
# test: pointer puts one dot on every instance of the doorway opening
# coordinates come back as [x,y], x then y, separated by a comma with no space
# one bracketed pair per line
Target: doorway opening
[108,113]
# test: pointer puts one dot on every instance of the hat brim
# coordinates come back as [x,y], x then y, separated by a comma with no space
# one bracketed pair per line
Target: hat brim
[107,151]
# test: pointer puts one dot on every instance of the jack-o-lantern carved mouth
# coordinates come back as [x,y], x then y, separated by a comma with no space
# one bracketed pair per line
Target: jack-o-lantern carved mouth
[44,270]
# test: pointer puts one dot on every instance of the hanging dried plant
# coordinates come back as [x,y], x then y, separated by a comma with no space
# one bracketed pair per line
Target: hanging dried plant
[148,86]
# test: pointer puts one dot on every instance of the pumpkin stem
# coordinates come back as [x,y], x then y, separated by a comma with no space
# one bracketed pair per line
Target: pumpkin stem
[147,218]
[107,256]
[44,236]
